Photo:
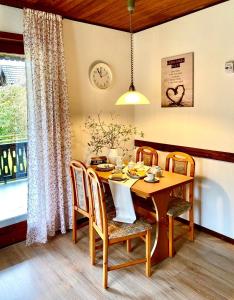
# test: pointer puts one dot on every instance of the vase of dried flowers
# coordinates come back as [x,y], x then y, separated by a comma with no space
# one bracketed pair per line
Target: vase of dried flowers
[110,134]
[113,155]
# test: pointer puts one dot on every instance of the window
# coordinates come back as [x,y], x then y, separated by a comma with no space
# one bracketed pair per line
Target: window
[13,139]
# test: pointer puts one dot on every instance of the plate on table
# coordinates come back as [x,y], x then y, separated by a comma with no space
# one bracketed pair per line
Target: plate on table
[119,177]
[156,179]
[105,167]
[137,174]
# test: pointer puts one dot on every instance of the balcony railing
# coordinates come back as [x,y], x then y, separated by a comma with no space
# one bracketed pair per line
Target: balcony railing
[13,161]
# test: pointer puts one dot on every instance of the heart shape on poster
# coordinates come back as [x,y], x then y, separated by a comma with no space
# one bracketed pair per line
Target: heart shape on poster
[175,95]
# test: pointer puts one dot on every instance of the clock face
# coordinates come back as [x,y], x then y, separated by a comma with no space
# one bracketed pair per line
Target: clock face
[101,76]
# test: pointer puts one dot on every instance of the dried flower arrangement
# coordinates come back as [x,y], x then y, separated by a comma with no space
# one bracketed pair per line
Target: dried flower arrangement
[111,135]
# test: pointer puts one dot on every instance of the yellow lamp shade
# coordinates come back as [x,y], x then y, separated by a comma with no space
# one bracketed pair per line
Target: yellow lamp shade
[132,98]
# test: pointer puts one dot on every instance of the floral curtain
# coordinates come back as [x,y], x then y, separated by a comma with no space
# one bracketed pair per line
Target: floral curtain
[49,198]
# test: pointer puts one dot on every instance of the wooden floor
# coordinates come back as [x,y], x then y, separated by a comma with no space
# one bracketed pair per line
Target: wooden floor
[61,270]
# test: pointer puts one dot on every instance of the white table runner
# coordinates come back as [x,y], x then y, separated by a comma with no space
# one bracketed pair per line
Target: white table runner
[121,193]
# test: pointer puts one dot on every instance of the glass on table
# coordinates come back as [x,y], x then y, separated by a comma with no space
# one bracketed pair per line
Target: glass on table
[119,162]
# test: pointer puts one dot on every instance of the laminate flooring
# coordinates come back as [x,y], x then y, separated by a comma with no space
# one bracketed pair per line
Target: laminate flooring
[203,269]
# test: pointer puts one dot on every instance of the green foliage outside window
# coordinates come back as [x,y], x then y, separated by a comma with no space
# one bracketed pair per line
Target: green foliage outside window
[13,113]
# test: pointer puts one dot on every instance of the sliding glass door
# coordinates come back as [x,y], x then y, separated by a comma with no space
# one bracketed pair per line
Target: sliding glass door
[13,140]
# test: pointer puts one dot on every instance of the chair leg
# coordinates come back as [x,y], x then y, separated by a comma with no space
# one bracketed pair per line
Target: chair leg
[129,245]
[148,253]
[191,224]
[92,244]
[105,263]
[171,236]
[74,226]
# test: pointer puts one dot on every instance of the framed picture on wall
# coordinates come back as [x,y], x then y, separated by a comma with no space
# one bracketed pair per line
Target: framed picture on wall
[177,80]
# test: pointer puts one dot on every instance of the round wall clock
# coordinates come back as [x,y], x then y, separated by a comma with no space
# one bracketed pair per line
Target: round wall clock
[100,75]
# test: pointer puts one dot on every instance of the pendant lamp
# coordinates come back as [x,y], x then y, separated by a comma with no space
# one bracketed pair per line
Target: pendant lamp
[132,97]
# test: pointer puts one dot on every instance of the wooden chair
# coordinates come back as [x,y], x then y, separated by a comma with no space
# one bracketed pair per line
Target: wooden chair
[78,172]
[180,203]
[148,155]
[112,232]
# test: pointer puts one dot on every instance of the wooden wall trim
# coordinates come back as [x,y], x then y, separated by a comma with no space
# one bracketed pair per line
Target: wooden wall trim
[8,36]
[203,153]
[11,43]
[13,234]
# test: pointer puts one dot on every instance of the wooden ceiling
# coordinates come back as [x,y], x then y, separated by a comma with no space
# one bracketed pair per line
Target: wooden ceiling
[114,14]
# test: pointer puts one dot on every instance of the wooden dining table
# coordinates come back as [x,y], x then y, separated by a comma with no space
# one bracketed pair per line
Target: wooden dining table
[159,195]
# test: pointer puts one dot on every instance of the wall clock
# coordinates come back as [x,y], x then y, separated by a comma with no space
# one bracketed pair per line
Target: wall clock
[100,75]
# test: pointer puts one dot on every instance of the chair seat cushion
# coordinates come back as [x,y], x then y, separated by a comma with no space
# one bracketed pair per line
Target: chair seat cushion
[119,229]
[177,207]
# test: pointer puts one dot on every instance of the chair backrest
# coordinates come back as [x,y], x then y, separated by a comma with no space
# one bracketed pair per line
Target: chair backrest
[180,163]
[148,155]
[97,201]
[78,172]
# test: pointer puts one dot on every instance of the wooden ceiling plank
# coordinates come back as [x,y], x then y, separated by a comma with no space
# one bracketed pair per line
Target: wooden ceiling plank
[114,14]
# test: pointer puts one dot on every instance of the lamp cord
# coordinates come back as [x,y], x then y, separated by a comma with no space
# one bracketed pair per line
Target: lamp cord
[131,47]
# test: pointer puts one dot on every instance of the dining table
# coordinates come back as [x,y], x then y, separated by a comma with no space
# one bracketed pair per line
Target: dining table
[157,196]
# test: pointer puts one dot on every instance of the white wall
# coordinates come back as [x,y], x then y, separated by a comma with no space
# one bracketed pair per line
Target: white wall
[85,44]
[11,19]
[210,123]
